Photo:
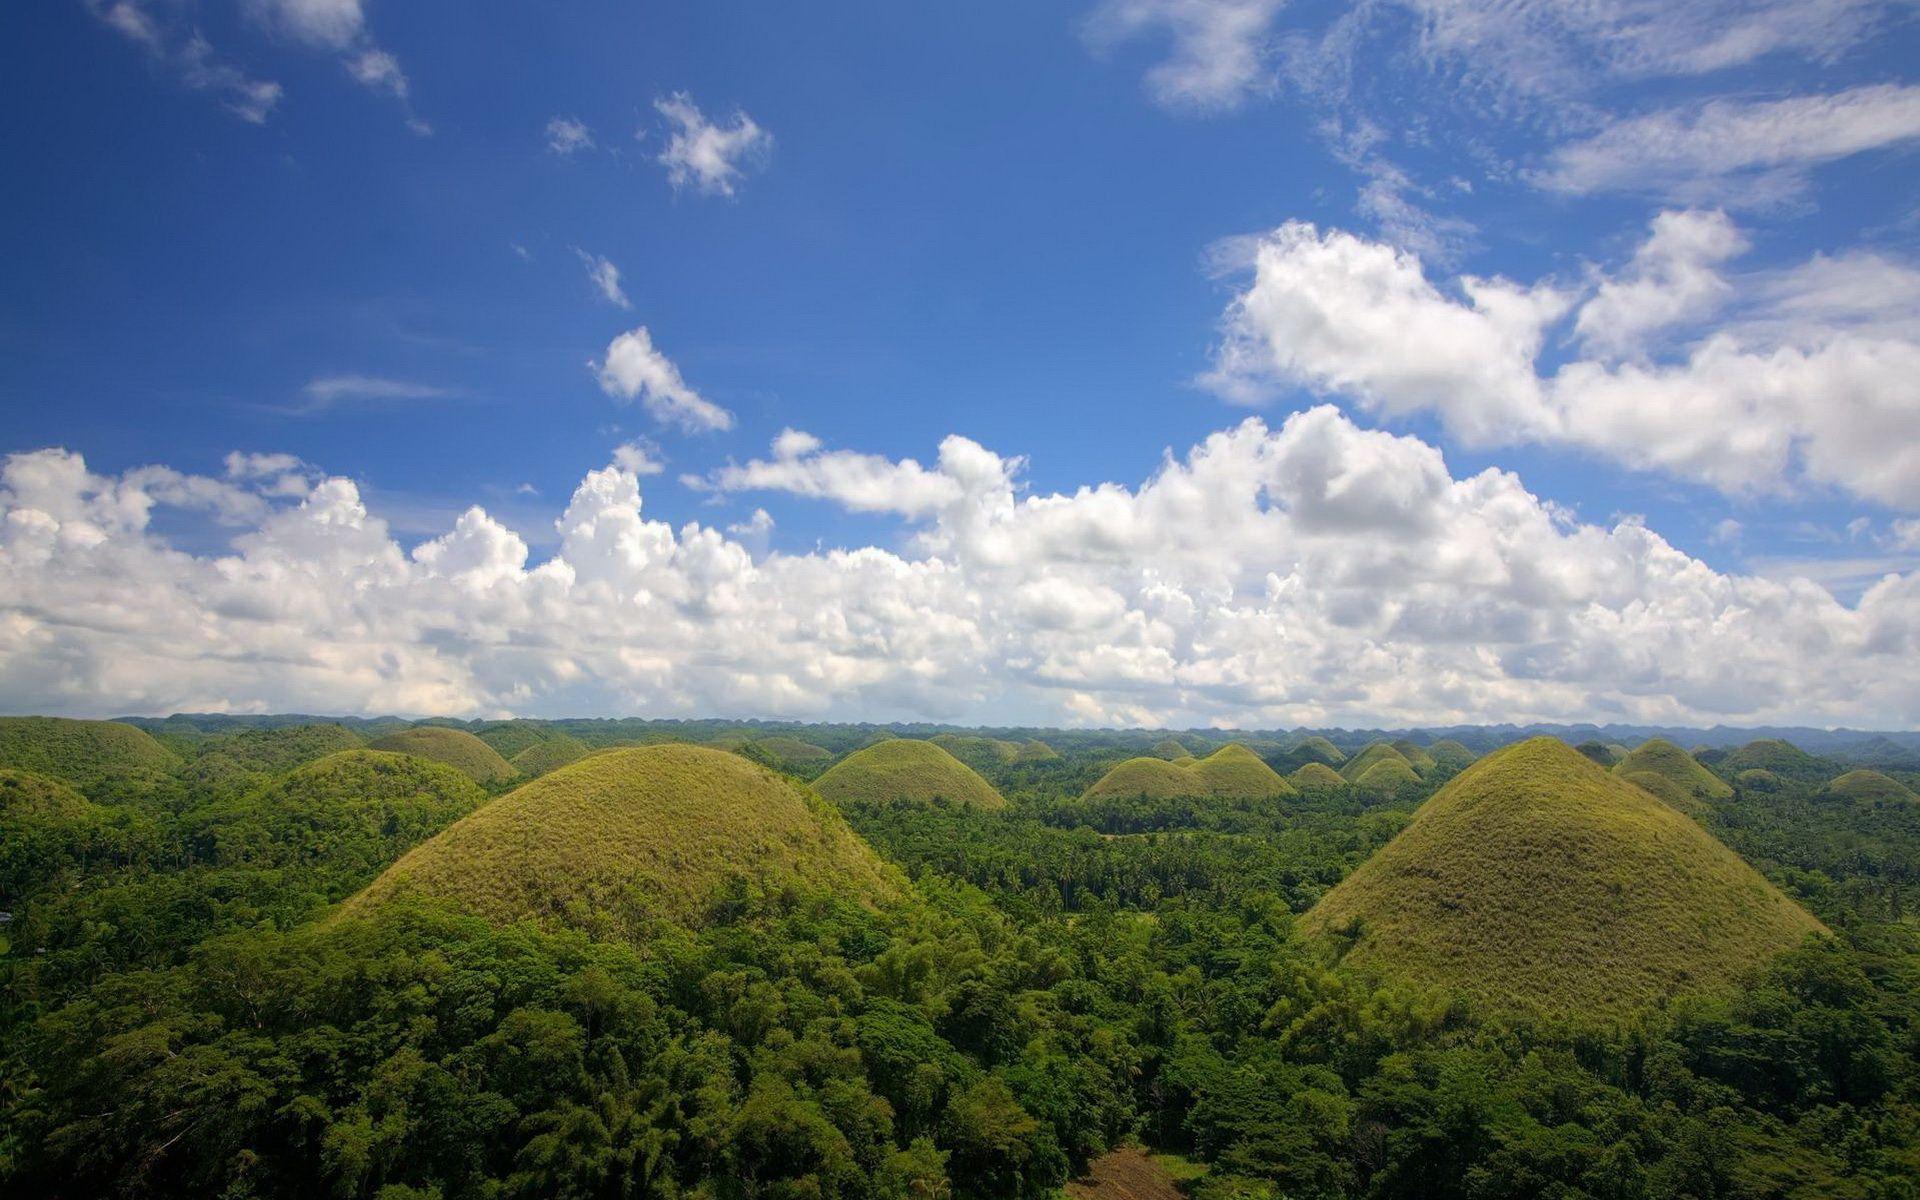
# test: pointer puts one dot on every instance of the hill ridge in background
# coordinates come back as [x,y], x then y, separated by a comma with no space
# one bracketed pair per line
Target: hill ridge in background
[906,769]
[1672,774]
[81,752]
[455,747]
[1539,882]
[635,834]
[1232,771]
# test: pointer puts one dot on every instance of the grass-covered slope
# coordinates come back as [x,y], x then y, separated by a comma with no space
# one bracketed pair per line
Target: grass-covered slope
[1538,882]
[25,796]
[1232,771]
[1034,750]
[549,755]
[1169,749]
[1416,755]
[1661,757]
[1317,749]
[1385,779]
[906,769]
[1784,759]
[782,748]
[280,748]
[1450,755]
[634,834]
[81,752]
[1870,787]
[1370,756]
[1317,777]
[455,747]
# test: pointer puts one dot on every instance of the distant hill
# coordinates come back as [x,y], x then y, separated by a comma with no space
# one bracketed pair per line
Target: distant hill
[81,752]
[1316,749]
[1317,777]
[1783,759]
[456,747]
[356,810]
[272,749]
[1169,749]
[1662,758]
[906,769]
[1604,753]
[1371,755]
[1385,779]
[1231,771]
[1537,881]
[635,834]
[1870,787]
[549,755]
[1034,750]
[25,796]
[510,739]
[1450,755]
[782,748]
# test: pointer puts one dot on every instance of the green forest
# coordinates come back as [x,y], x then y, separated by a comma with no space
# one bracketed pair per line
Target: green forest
[626,959]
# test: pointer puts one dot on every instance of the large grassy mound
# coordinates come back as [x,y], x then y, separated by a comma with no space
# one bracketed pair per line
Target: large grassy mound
[1450,755]
[1385,779]
[1416,755]
[1034,750]
[1605,753]
[1317,777]
[510,739]
[81,752]
[1670,792]
[455,747]
[1169,749]
[1232,771]
[1771,754]
[906,769]
[549,755]
[1317,749]
[1663,758]
[1372,754]
[781,748]
[25,796]
[270,751]
[1538,882]
[648,832]
[1870,787]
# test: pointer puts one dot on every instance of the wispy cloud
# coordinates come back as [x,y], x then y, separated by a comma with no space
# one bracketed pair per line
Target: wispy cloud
[189,57]
[605,277]
[567,136]
[329,391]
[634,370]
[339,27]
[1220,52]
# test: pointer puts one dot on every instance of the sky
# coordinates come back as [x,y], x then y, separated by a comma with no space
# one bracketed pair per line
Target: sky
[1157,362]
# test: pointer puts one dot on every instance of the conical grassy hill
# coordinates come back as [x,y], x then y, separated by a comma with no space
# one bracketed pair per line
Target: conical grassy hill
[1370,756]
[1232,771]
[1317,777]
[906,769]
[1537,882]
[25,796]
[631,835]
[549,755]
[782,748]
[1870,787]
[1663,758]
[81,752]
[1317,749]
[455,747]
[1771,754]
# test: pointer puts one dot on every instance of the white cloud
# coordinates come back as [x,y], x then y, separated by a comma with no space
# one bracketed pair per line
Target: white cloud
[1726,532]
[1795,387]
[189,56]
[1673,277]
[605,277]
[709,157]
[567,136]
[860,482]
[339,27]
[329,390]
[1312,573]
[634,370]
[639,456]
[1743,152]
[1220,51]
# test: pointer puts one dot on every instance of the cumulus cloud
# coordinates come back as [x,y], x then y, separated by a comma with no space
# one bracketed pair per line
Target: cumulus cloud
[567,136]
[634,370]
[1804,384]
[605,277]
[1315,572]
[188,56]
[1219,51]
[709,157]
[1743,152]
[859,482]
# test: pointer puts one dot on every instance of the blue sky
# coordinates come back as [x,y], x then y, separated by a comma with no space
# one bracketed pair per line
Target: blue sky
[356,235]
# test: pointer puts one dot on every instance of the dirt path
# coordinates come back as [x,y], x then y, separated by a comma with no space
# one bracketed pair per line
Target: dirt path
[1124,1174]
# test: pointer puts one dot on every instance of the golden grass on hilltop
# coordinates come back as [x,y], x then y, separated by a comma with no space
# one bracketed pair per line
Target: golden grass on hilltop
[1385,779]
[455,747]
[1416,755]
[1450,755]
[1538,882]
[1034,750]
[28,797]
[81,752]
[1232,771]
[634,834]
[1317,777]
[906,769]
[1663,758]
[1169,749]
[782,748]
[1318,749]
[1771,754]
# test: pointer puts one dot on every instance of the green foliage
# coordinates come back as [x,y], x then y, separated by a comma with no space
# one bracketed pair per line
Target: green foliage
[1233,770]
[455,747]
[906,769]
[623,839]
[1373,754]
[87,754]
[1604,753]
[1537,882]
[1783,759]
